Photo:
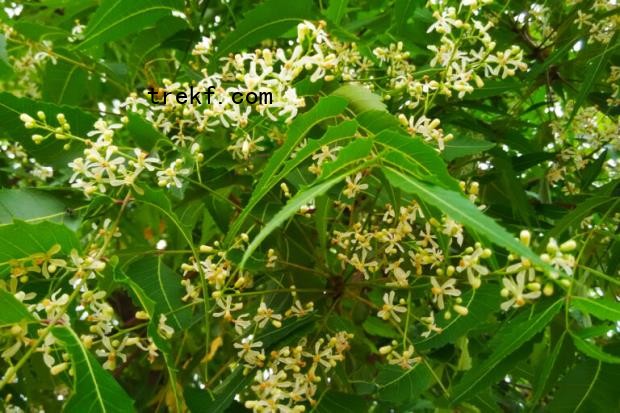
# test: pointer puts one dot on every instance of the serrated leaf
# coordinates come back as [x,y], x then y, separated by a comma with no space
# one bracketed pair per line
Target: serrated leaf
[13,311]
[353,152]
[378,120]
[415,156]
[333,401]
[290,209]
[51,151]
[465,146]
[158,199]
[575,388]
[505,342]
[65,82]
[601,308]
[164,288]
[591,172]
[482,303]
[403,10]
[269,19]
[326,108]
[592,73]
[222,396]
[154,311]
[94,389]
[380,328]
[336,10]
[6,69]
[360,98]
[143,132]
[398,385]
[20,240]
[591,386]
[574,217]
[30,205]
[594,351]
[115,19]
[461,210]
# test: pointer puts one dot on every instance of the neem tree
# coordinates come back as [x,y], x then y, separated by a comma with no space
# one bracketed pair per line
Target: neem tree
[424,218]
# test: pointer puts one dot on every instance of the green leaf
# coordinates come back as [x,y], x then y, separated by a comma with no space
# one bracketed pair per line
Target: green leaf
[337,10]
[222,396]
[601,308]
[51,151]
[591,386]
[592,73]
[465,146]
[164,288]
[65,82]
[481,303]
[20,240]
[143,132]
[360,98]
[575,217]
[542,381]
[397,385]
[152,40]
[334,134]
[273,172]
[380,328]
[403,10]
[594,351]
[494,87]
[6,69]
[269,19]
[576,388]
[334,401]
[94,389]
[30,205]
[461,210]
[158,200]
[378,120]
[592,171]
[115,19]
[415,156]
[516,333]
[353,152]
[154,311]
[13,310]
[290,209]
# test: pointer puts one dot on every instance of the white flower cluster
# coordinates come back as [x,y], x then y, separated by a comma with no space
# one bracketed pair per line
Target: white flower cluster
[26,169]
[291,375]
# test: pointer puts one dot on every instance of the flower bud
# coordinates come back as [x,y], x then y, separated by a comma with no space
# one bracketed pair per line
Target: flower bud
[385,350]
[568,246]
[525,236]
[460,310]
[142,315]
[59,368]
[533,286]
[206,249]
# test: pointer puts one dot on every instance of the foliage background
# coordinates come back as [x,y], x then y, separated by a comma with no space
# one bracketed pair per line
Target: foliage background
[534,146]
